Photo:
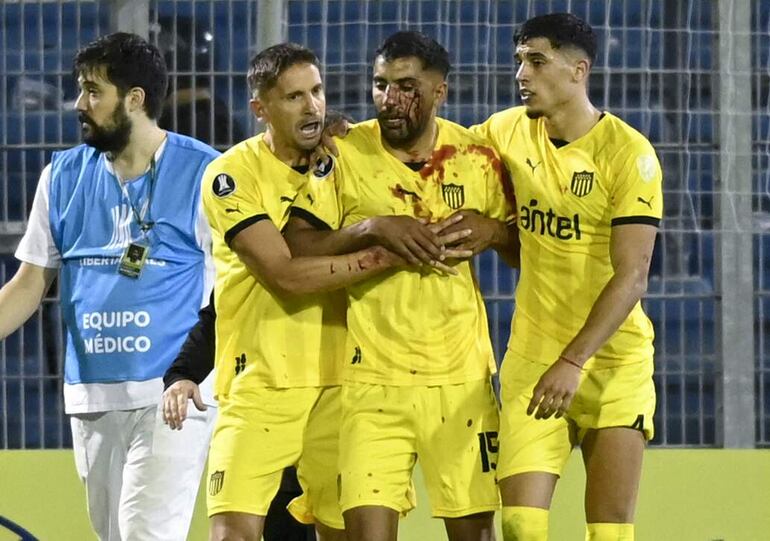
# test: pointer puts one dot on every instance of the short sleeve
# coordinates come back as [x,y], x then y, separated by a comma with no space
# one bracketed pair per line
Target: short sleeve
[203,236]
[37,245]
[501,201]
[482,130]
[500,194]
[487,131]
[636,195]
[231,199]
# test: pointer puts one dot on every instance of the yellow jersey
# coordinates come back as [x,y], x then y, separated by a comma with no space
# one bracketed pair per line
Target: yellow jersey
[569,198]
[261,340]
[412,326]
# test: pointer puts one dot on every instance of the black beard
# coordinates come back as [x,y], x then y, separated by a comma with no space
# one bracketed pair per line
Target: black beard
[110,140]
[533,114]
[412,132]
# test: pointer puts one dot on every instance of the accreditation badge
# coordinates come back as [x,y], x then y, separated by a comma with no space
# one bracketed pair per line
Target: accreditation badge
[132,260]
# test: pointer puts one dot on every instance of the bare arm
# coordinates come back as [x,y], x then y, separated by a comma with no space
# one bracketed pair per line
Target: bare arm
[509,246]
[414,241]
[265,253]
[21,296]
[305,239]
[630,252]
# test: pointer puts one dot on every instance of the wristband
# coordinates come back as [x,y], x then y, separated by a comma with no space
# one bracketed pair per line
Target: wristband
[569,361]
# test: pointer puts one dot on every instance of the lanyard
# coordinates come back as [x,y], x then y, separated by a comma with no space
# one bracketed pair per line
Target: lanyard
[145,226]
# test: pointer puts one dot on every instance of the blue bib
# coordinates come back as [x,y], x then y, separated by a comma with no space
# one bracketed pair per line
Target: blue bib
[121,328]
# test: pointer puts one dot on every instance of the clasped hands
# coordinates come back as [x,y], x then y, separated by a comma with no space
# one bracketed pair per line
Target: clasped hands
[422,243]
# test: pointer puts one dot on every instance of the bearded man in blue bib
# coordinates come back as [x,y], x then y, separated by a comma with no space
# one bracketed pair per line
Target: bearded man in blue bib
[119,220]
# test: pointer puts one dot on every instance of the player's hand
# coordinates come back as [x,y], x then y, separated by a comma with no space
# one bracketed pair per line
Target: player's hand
[450,238]
[484,232]
[335,125]
[175,402]
[555,390]
[408,237]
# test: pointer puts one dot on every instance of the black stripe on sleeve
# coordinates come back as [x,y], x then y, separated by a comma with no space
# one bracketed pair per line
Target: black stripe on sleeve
[645,220]
[240,226]
[196,358]
[310,218]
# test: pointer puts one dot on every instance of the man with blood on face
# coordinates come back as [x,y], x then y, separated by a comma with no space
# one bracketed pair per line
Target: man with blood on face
[418,357]
[404,102]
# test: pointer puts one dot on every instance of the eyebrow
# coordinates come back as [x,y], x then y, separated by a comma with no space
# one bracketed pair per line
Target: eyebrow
[399,81]
[87,82]
[525,54]
[297,92]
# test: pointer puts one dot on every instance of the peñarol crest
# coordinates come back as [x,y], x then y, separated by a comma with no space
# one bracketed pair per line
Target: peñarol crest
[582,183]
[216,481]
[454,195]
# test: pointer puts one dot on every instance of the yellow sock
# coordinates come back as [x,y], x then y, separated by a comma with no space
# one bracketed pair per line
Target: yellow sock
[609,531]
[525,524]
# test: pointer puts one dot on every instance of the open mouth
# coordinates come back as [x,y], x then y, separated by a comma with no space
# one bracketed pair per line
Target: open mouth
[84,122]
[395,122]
[310,129]
[525,94]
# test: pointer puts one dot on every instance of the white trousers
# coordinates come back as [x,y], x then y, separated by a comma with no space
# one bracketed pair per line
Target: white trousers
[141,477]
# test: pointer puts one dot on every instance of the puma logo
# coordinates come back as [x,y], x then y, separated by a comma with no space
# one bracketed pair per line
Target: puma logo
[236,209]
[648,203]
[533,166]
[287,199]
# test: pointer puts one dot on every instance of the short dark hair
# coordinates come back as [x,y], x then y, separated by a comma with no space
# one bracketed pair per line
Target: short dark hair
[409,43]
[269,64]
[129,61]
[561,29]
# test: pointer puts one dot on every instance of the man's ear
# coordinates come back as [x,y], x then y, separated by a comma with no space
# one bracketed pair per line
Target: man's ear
[581,70]
[440,93]
[134,99]
[259,109]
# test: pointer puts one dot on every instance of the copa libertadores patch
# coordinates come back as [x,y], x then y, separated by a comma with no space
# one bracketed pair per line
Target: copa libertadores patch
[323,168]
[223,185]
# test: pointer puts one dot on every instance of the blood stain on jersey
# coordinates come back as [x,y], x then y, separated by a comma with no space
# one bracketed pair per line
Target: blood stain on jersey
[500,169]
[435,163]
[400,192]
[421,211]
